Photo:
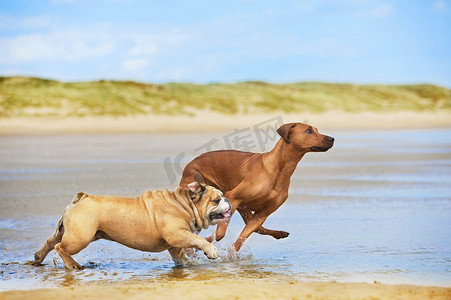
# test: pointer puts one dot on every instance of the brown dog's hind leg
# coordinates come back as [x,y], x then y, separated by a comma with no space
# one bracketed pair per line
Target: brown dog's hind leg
[277,234]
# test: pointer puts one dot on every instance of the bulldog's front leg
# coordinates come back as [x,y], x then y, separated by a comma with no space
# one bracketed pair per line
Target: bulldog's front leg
[210,250]
[187,239]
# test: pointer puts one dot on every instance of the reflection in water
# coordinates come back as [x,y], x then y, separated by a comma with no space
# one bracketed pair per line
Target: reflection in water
[177,272]
[220,270]
[69,279]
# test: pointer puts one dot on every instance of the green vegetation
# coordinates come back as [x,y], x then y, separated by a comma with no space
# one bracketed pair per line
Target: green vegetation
[23,96]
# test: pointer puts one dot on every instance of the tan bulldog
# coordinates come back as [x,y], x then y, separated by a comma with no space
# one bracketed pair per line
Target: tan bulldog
[154,222]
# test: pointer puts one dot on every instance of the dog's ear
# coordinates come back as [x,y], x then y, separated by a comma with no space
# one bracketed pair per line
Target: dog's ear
[198,185]
[285,130]
[199,179]
[194,187]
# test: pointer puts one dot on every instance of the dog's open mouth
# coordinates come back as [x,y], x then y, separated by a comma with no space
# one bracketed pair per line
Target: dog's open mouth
[221,216]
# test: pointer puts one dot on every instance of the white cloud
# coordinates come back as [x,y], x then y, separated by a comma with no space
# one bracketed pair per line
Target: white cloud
[382,11]
[149,49]
[148,42]
[25,48]
[305,7]
[135,64]
[310,6]
[178,74]
[172,74]
[56,46]
[325,47]
[8,22]
[10,72]
[130,49]
[39,21]
[376,12]
[439,6]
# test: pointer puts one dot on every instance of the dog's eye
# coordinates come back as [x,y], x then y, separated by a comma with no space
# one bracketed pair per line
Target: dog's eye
[217,201]
[309,131]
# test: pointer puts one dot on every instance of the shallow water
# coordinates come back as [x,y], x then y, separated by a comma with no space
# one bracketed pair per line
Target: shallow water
[376,207]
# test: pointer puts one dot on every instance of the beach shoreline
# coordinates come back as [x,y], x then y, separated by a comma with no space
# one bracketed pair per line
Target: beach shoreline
[235,289]
[209,121]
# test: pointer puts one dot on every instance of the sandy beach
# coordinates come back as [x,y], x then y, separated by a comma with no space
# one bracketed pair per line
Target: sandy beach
[210,121]
[237,289]
[339,248]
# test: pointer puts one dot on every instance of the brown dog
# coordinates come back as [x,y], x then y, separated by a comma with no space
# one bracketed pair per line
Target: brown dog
[256,184]
[154,222]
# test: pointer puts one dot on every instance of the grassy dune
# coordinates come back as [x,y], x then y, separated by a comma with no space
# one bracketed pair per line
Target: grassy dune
[24,96]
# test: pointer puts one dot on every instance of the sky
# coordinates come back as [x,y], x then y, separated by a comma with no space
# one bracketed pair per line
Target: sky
[278,41]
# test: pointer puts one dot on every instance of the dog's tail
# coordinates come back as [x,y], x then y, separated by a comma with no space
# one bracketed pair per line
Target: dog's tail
[79,196]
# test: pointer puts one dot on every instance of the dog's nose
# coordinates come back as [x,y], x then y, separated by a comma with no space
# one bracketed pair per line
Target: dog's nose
[331,139]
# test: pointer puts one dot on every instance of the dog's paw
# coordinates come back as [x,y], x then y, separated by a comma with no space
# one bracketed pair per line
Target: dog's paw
[211,252]
[74,266]
[281,235]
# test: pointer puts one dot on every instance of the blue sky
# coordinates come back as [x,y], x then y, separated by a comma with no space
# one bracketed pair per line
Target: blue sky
[358,41]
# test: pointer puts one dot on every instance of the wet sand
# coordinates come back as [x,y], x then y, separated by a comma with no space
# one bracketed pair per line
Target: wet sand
[237,289]
[375,208]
